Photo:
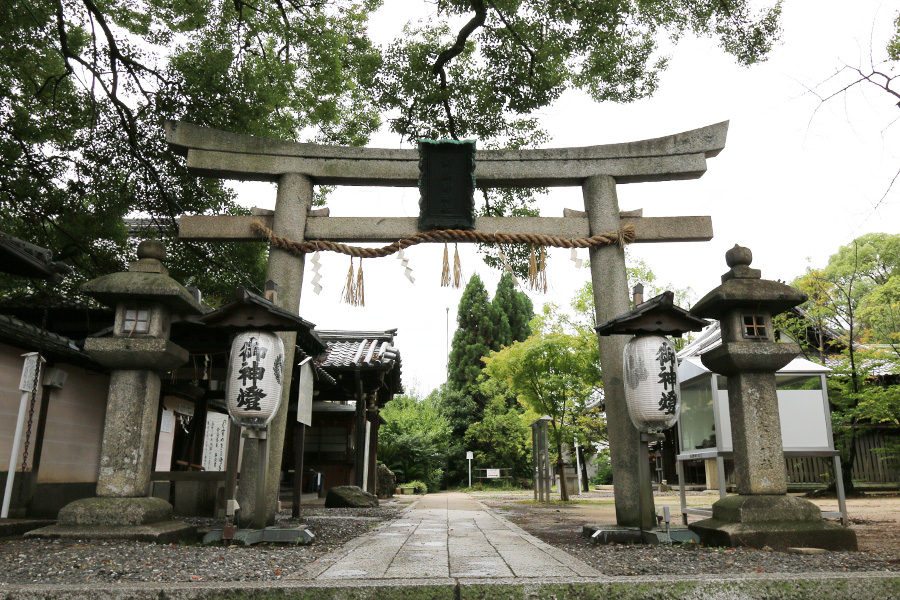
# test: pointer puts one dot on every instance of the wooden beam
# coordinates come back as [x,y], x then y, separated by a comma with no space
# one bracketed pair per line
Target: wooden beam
[389,229]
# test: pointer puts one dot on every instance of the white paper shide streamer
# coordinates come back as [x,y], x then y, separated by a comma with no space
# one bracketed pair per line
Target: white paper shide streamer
[255,376]
[651,383]
[404,262]
[317,288]
[574,258]
[508,268]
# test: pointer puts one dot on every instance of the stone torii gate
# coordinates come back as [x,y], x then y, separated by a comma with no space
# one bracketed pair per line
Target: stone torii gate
[297,167]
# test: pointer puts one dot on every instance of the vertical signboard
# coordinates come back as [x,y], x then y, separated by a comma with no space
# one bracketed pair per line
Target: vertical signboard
[215,442]
[305,394]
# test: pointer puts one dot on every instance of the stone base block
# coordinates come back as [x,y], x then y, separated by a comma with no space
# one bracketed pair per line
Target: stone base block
[105,511]
[619,534]
[163,532]
[776,521]
[271,535]
[14,527]
[779,535]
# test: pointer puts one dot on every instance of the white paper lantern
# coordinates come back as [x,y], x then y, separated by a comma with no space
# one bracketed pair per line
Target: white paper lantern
[255,376]
[652,389]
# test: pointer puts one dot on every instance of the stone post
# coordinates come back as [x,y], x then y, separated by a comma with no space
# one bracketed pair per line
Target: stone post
[610,284]
[126,455]
[756,434]
[294,199]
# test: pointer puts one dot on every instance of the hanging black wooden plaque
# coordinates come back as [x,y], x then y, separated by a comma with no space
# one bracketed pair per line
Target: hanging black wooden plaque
[446,184]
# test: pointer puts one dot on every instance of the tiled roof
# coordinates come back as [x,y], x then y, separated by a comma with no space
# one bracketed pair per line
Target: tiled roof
[18,257]
[28,337]
[370,351]
[365,352]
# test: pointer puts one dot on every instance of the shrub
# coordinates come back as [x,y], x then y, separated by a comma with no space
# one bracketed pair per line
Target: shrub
[421,487]
[604,474]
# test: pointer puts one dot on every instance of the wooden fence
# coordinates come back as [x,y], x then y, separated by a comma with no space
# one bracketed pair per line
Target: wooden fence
[869,466]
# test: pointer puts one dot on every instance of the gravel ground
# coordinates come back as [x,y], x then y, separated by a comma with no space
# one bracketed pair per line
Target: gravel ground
[69,561]
[73,561]
[560,525]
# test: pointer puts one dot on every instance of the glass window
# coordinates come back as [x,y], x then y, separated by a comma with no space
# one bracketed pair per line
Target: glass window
[798,382]
[698,424]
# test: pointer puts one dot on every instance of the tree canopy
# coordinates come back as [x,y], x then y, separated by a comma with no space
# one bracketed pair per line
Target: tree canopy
[553,373]
[85,87]
[854,298]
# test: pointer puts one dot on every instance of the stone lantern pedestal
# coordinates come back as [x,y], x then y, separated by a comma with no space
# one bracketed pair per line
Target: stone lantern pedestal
[145,298]
[761,514]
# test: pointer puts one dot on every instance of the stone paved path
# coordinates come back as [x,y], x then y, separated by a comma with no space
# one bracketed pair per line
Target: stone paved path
[448,535]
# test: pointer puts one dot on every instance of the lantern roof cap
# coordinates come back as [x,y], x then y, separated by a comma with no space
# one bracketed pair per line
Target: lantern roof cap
[544,419]
[251,311]
[146,279]
[156,287]
[743,287]
[658,315]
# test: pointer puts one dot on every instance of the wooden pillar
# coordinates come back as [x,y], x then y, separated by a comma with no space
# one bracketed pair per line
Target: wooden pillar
[374,424]
[610,284]
[359,456]
[299,443]
[231,460]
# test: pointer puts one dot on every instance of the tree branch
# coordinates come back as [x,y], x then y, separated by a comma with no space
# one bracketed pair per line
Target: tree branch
[452,52]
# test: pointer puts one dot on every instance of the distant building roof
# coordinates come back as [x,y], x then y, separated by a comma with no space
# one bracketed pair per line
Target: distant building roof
[364,351]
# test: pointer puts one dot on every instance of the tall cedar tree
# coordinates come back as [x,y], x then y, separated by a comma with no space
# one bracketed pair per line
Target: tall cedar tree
[517,308]
[475,337]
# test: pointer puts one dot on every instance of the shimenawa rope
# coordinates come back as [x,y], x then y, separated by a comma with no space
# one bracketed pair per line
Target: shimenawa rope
[623,236]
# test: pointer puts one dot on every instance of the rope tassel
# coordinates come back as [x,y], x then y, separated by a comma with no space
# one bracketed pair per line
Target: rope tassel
[348,296]
[360,288]
[537,271]
[445,272]
[457,267]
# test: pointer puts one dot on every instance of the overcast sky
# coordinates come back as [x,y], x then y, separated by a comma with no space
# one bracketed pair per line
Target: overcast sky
[797,178]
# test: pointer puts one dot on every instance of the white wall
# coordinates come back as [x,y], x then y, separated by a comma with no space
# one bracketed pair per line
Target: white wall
[74,428]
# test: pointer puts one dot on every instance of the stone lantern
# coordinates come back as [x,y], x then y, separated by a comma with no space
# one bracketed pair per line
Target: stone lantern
[145,299]
[762,514]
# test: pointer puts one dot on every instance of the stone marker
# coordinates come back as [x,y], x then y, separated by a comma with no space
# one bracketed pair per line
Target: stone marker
[350,496]
[145,299]
[386,482]
[762,514]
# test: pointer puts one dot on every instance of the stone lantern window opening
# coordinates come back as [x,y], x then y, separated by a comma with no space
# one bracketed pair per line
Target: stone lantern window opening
[754,327]
[136,320]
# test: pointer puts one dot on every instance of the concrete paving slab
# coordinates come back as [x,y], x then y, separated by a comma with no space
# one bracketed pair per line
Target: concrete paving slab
[479,567]
[448,535]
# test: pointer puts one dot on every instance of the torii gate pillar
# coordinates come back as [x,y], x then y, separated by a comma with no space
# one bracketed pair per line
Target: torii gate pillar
[294,199]
[610,285]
